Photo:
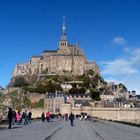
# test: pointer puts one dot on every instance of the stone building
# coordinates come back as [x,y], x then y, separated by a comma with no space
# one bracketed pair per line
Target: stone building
[53,102]
[66,59]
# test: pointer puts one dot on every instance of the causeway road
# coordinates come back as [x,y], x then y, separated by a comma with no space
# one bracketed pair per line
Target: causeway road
[82,130]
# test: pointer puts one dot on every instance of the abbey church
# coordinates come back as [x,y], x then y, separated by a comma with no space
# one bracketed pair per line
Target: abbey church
[66,59]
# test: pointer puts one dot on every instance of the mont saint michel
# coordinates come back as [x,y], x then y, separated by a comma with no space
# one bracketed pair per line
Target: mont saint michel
[66,59]
[72,77]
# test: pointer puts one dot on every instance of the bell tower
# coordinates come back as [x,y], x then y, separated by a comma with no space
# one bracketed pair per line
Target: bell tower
[63,43]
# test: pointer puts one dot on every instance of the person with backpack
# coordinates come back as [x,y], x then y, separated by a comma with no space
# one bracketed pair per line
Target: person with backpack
[71,118]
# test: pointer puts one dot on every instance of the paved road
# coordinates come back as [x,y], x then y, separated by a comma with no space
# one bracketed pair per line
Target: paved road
[82,130]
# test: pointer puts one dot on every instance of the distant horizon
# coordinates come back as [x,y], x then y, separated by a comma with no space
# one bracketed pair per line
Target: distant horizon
[107,31]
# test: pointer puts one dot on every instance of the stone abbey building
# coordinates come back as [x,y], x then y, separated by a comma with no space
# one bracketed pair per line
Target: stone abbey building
[66,59]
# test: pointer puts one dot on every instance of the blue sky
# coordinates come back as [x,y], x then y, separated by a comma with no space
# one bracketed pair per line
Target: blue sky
[107,30]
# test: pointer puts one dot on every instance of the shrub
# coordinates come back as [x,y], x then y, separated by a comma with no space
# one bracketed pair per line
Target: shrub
[19,82]
[95,94]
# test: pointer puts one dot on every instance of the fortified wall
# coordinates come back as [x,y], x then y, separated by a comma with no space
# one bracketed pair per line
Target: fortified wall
[114,114]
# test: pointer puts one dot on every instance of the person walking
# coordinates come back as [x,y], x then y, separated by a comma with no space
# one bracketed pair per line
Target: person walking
[43,117]
[24,118]
[30,117]
[66,116]
[10,117]
[71,118]
[18,117]
[48,116]
[14,117]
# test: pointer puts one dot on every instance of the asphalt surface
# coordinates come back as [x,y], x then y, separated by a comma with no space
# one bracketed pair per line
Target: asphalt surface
[82,130]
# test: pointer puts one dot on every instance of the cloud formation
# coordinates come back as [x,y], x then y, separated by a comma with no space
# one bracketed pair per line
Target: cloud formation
[125,69]
[119,41]
[124,66]
[135,57]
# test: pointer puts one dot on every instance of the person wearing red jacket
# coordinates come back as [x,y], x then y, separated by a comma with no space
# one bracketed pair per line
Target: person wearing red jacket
[48,116]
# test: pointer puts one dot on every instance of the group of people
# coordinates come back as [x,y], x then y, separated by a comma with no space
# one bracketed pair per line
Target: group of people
[48,115]
[24,118]
[17,117]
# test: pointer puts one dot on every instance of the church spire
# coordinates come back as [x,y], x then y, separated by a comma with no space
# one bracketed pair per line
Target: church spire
[63,37]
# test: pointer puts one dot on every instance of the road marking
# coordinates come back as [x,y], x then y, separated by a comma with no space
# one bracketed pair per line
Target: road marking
[59,127]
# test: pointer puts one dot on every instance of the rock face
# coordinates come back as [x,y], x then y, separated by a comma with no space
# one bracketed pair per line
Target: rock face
[66,59]
[5,102]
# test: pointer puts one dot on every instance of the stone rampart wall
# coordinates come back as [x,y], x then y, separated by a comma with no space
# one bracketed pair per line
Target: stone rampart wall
[120,114]
[36,112]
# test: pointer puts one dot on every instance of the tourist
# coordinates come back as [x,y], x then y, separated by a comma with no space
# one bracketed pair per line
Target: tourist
[14,117]
[77,116]
[85,117]
[89,117]
[48,116]
[30,117]
[43,117]
[66,116]
[59,116]
[18,117]
[71,117]
[24,118]
[10,117]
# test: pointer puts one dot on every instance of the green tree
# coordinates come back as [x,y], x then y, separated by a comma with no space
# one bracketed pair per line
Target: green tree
[73,90]
[48,86]
[81,90]
[26,102]
[76,90]
[94,81]
[85,79]
[20,82]
[95,94]
[39,104]
[41,88]
[30,89]
[16,100]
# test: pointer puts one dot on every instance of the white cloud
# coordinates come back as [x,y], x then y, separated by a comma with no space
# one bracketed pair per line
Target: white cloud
[124,66]
[132,82]
[119,41]
[119,67]
[124,70]
[135,56]
[126,49]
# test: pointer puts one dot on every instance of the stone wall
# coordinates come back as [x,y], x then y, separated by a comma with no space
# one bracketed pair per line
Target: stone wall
[66,108]
[118,114]
[36,112]
[35,97]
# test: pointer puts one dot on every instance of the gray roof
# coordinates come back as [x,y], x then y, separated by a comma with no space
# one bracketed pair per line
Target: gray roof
[53,95]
